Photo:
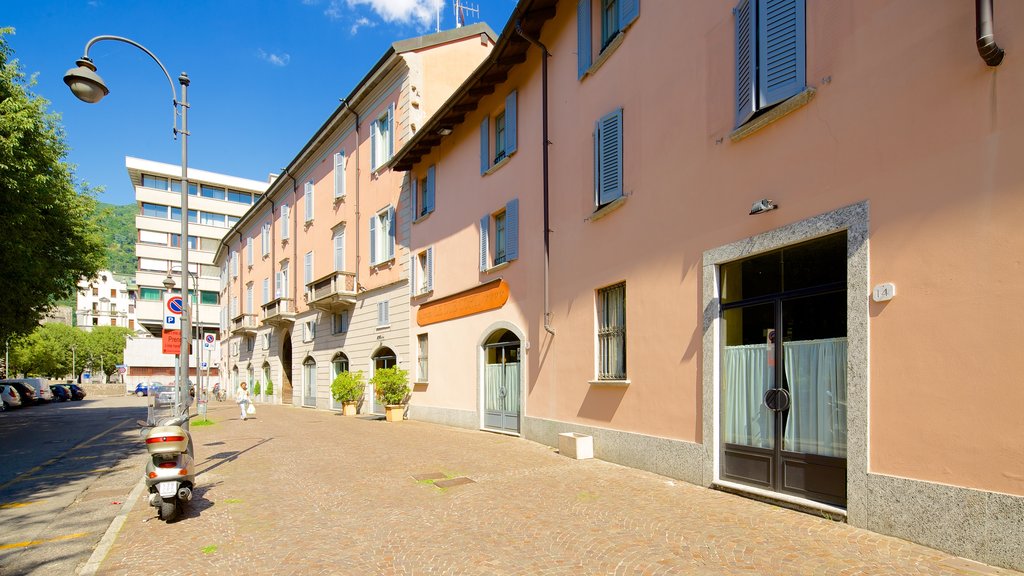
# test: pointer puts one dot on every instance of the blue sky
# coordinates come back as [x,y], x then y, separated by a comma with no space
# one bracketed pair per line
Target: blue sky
[265,74]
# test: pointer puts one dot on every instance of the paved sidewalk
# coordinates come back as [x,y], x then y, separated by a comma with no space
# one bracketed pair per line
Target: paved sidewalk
[299,491]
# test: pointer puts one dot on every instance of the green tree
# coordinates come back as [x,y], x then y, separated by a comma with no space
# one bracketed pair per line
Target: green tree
[50,351]
[48,241]
[105,345]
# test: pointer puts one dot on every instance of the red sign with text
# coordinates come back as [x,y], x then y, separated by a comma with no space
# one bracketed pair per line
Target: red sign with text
[172,342]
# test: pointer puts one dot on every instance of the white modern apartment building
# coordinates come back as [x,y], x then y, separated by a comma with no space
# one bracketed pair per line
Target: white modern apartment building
[106,301]
[216,202]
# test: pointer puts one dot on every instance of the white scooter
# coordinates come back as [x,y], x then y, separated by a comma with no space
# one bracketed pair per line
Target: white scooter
[170,473]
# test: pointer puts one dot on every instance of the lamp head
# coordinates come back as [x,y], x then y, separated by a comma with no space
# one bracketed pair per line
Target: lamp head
[85,83]
[169,282]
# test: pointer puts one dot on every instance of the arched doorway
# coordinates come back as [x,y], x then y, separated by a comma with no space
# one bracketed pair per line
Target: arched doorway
[502,382]
[309,382]
[382,358]
[339,364]
[286,368]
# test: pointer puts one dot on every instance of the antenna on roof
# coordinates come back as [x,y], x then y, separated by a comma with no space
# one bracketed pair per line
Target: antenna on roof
[461,8]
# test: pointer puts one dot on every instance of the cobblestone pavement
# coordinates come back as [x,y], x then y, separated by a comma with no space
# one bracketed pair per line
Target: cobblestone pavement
[299,491]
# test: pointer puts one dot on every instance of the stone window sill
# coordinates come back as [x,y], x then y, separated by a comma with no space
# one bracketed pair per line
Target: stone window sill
[499,164]
[771,116]
[610,383]
[606,209]
[497,267]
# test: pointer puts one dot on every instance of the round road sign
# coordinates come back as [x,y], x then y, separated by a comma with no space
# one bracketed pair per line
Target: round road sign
[175,305]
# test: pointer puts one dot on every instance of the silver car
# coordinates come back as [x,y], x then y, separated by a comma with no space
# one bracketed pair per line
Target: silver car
[42,389]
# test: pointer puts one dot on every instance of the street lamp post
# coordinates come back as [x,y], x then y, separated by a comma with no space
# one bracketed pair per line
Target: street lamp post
[88,87]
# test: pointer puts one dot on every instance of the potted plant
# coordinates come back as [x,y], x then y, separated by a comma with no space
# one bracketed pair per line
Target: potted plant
[256,390]
[270,388]
[347,388]
[391,385]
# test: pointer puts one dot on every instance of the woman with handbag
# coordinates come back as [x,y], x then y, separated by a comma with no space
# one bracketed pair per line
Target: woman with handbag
[242,397]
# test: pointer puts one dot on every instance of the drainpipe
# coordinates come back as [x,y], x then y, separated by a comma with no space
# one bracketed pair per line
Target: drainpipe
[345,105]
[547,227]
[990,52]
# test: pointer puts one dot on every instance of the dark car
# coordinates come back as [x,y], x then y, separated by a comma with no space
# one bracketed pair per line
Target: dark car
[60,393]
[76,392]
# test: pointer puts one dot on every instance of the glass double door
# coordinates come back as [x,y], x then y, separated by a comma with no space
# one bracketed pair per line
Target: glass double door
[783,398]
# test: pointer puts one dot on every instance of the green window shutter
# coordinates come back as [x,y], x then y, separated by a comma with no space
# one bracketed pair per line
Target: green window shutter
[485,145]
[629,10]
[485,224]
[608,157]
[745,15]
[428,194]
[510,123]
[512,229]
[781,50]
[583,41]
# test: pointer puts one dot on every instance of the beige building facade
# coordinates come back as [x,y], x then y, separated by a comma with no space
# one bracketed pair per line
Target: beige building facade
[314,276]
[762,246]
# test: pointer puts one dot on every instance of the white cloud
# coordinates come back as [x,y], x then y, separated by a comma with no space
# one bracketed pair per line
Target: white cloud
[361,23]
[275,59]
[419,13]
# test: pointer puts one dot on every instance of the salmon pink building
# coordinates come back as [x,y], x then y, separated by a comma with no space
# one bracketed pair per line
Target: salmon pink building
[314,277]
[768,246]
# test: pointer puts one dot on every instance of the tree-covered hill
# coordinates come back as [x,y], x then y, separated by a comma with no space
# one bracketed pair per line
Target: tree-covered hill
[117,225]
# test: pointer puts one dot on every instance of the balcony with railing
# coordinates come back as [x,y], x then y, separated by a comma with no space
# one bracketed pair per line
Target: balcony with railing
[279,311]
[333,292]
[244,324]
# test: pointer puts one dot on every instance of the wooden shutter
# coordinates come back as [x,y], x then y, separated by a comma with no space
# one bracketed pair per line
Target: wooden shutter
[390,142]
[583,33]
[391,232]
[745,15]
[414,189]
[285,215]
[339,174]
[608,155]
[428,194]
[485,154]
[512,229]
[629,10]
[374,129]
[429,272]
[781,50]
[309,201]
[373,239]
[249,251]
[309,268]
[510,123]
[485,224]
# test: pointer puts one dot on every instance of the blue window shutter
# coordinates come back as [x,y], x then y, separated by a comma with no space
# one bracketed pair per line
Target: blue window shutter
[428,198]
[414,187]
[374,159]
[583,45]
[485,224]
[413,289]
[390,143]
[373,239]
[609,157]
[512,229]
[339,174]
[429,272]
[391,232]
[781,50]
[510,123]
[745,15]
[629,10]
[485,148]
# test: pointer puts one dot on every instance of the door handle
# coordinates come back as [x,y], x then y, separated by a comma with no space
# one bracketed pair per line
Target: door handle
[770,399]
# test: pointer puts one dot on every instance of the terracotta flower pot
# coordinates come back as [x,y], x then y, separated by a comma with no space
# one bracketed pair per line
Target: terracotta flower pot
[394,412]
[348,408]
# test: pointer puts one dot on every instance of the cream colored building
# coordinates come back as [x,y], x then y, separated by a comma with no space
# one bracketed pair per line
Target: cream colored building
[215,204]
[106,301]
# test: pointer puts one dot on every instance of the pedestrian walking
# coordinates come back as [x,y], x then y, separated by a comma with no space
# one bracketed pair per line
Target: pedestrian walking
[242,397]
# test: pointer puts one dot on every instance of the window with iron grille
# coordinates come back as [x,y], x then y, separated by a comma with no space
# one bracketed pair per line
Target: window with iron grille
[611,332]
[421,374]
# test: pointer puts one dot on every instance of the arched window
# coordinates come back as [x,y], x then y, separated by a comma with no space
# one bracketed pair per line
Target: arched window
[309,382]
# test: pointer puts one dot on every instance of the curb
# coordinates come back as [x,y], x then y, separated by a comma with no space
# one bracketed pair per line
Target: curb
[110,535]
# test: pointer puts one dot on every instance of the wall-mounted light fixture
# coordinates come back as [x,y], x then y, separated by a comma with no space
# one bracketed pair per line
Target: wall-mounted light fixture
[763,205]
[444,131]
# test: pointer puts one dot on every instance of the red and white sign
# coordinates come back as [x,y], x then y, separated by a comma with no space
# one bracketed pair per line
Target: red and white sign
[173,305]
[171,342]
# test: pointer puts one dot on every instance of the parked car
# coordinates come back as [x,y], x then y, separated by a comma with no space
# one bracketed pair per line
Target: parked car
[60,392]
[26,393]
[142,388]
[10,396]
[164,395]
[42,389]
[76,392]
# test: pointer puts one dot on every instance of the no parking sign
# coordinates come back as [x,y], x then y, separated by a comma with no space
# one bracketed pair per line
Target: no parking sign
[173,306]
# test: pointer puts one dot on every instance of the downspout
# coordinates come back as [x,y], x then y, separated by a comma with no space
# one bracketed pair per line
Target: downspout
[990,52]
[345,104]
[547,226]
